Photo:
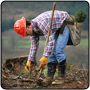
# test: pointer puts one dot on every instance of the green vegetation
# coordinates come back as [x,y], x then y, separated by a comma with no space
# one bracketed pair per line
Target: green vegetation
[36,87]
[8,43]
[23,71]
[39,7]
[27,43]
[80,16]
[68,65]
[24,43]
[7,24]
[84,42]
[19,43]
[42,42]
[24,63]
[45,72]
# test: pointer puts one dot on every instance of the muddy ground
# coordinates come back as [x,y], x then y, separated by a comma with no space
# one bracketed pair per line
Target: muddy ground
[18,78]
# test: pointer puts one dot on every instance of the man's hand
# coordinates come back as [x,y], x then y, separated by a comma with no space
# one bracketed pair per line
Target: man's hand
[43,62]
[28,66]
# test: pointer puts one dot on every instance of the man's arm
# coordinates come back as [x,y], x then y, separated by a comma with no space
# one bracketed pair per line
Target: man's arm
[34,47]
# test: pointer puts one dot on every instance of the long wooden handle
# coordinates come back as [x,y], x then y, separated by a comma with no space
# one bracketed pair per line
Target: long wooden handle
[48,34]
[54,5]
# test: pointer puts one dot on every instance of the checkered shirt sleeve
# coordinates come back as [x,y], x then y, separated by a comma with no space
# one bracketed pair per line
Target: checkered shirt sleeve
[34,47]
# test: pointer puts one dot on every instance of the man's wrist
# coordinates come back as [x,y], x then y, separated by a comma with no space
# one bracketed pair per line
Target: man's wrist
[45,56]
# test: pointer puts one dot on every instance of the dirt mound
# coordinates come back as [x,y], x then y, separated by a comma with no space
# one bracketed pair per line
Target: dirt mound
[18,78]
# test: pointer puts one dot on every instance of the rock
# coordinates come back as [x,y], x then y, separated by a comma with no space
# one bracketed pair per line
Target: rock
[57,82]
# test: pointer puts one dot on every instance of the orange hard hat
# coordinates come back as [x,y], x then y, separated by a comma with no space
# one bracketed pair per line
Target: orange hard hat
[20,27]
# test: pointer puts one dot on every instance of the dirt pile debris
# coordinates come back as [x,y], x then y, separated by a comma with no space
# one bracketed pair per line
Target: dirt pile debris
[14,76]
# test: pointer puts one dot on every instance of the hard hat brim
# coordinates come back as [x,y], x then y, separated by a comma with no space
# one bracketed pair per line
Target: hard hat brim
[24,30]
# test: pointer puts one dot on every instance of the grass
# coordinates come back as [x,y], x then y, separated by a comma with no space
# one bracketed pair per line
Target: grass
[24,44]
[24,62]
[45,72]
[27,43]
[20,43]
[6,41]
[84,42]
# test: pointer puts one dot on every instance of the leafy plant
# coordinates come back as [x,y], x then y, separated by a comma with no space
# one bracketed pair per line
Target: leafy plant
[80,16]
[23,71]
[68,65]
[24,63]
[45,72]
[36,87]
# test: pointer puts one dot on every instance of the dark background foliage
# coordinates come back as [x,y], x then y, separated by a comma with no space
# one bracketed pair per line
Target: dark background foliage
[12,8]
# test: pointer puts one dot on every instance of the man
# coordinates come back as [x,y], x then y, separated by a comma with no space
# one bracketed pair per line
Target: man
[58,39]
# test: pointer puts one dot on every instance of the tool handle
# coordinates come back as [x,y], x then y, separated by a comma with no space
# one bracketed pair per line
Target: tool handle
[54,5]
[41,70]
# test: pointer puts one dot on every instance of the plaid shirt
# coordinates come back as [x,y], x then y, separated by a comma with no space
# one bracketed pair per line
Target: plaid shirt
[41,25]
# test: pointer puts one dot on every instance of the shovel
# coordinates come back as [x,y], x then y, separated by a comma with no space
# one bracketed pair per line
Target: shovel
[40,70]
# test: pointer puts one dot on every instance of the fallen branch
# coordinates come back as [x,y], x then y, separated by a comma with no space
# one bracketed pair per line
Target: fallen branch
[4,76]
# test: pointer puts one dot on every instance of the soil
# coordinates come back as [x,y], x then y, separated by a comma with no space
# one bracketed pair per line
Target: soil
[17,78]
